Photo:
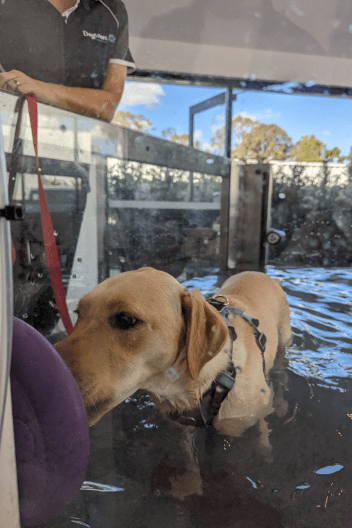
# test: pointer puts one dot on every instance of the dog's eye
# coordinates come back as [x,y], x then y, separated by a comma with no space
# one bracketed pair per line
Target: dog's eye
[123,321]
[76,311]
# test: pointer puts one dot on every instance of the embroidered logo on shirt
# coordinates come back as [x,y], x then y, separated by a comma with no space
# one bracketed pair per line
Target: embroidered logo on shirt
[99,37]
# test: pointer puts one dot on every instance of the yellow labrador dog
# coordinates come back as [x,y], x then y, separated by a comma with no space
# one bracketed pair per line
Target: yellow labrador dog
[143,330]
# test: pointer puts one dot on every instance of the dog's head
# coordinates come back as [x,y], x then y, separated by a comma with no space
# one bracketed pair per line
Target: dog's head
[133,330]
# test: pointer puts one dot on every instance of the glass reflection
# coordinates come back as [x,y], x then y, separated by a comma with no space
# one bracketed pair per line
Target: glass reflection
[111,214]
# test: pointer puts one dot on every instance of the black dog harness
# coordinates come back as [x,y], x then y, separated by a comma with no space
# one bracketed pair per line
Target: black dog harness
[212,399]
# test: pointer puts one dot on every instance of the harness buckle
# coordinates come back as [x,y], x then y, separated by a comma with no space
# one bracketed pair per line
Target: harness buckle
[225,380]
[261,340]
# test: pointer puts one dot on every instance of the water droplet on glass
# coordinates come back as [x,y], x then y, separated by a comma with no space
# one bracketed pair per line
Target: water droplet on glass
[96,486]
[252,482]
[75,520]
[329,470]
[303,486]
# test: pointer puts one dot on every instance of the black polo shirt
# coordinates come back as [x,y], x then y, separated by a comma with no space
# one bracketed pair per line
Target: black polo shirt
[73,50]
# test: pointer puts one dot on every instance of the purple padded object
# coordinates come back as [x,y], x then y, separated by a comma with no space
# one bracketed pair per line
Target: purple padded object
[50,424]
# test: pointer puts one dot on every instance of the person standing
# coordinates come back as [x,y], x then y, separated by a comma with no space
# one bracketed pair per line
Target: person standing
[73,54]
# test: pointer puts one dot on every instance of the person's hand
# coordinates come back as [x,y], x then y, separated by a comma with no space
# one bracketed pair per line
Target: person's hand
[100,103]
[19,83]
[7,84]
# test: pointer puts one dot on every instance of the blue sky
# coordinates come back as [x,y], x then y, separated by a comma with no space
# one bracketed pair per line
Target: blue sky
[166,105]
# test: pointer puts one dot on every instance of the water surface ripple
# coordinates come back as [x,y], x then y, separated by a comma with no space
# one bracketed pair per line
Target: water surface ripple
[321,304]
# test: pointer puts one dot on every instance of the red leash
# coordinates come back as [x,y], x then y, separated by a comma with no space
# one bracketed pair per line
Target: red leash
[51,252]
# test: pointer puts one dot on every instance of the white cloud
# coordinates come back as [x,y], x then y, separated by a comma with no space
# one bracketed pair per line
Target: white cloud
[220,118]
[198,134]
[206,147]
[326,133]
[215,128]
[220,123]
[251,116]
[140,93]
[268,114]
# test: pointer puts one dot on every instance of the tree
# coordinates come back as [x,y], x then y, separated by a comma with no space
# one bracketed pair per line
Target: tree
[182,139]
[331,155]
[263,143]
[134,121]
[241,125]
[170,135]
[308,149]
[349,157]
[254,140]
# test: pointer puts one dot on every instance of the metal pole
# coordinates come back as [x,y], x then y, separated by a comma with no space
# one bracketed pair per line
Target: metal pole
[190,141]
[191,128]
[228,121]
[265,218]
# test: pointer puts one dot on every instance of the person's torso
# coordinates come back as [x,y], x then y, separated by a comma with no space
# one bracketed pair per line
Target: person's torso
[36,39]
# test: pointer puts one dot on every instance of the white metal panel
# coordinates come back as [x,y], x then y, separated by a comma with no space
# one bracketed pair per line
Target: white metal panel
[6,306]
[84,274]
[9,512]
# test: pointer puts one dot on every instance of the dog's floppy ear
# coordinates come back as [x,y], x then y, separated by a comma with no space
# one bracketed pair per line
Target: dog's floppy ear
[206,331]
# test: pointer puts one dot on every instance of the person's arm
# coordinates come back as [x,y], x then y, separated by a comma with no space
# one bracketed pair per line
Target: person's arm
[87,101]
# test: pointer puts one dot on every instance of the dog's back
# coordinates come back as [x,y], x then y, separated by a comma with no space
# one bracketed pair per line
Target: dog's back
[261,297]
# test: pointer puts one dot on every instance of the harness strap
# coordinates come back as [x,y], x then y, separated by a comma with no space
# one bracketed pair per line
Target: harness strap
[51,252]
[224,308]
[211,402]
[224,382]
[212,399]
[260,338]
[209,406]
